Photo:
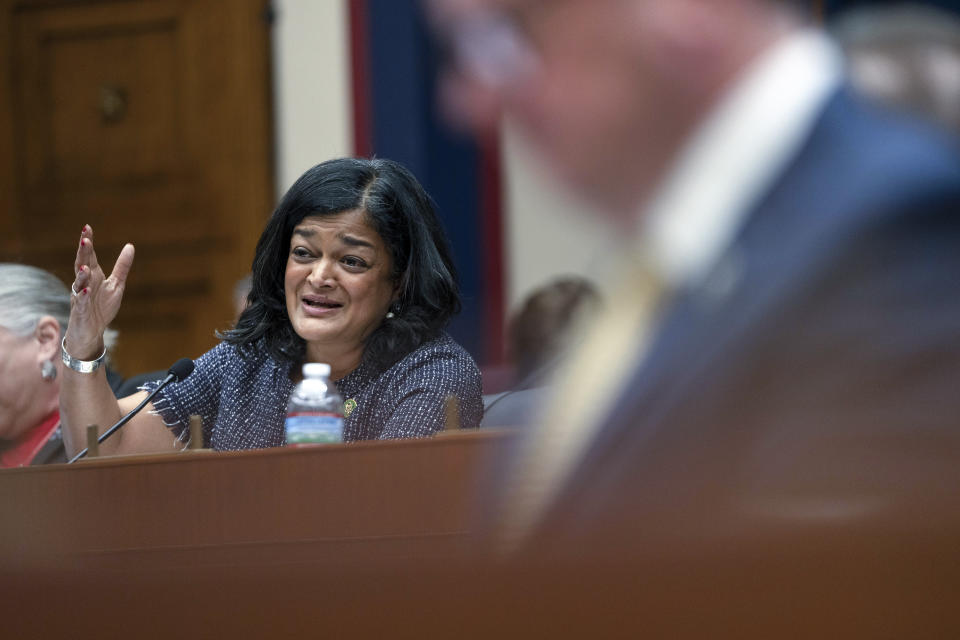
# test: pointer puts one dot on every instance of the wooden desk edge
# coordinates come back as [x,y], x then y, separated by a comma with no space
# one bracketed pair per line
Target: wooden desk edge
[442,439]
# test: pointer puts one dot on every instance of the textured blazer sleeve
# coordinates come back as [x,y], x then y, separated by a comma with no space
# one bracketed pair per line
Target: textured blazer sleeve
[421,391]
[198,394]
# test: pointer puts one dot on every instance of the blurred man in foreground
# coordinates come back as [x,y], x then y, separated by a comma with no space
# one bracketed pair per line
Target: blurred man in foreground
[784,349]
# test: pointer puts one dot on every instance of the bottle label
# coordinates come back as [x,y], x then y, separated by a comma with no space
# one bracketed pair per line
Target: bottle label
[310,427]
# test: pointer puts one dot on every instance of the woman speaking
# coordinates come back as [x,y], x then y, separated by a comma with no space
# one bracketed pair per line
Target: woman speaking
[353,269]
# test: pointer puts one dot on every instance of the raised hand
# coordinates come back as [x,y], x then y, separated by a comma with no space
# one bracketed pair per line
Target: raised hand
[96,298]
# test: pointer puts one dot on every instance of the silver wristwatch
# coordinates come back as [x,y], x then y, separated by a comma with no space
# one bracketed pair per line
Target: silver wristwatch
[80,366]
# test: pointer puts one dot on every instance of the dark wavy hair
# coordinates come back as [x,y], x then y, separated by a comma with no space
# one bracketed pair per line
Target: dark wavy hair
[402,213]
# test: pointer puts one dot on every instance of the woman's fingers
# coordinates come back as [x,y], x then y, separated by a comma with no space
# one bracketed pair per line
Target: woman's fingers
[86,246]
[80,260]
[121,267]
[97,298]
[87,273]
[86,256]
[86,237]
[82,279]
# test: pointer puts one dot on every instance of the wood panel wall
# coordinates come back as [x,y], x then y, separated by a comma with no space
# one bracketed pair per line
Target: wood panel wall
[149,120]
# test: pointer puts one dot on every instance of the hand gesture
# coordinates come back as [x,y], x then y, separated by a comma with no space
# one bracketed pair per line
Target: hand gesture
[96,298]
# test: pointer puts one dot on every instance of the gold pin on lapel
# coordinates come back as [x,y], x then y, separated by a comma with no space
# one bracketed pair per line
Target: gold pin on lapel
[349,406]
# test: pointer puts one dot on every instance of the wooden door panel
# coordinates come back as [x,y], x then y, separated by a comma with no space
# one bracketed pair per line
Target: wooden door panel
[149,120]
[100,96]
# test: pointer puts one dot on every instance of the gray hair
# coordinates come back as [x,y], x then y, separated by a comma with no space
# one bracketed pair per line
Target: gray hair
[28,293]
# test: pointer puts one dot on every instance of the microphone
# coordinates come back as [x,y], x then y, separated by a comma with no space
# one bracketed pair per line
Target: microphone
[177,373]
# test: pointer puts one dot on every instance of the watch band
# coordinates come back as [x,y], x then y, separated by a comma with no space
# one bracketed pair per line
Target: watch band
[80,366]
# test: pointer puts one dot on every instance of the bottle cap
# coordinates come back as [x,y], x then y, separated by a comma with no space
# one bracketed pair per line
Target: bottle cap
[316,370]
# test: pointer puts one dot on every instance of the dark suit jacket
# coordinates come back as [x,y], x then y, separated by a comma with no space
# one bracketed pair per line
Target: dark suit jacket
[817,383]
[514,408]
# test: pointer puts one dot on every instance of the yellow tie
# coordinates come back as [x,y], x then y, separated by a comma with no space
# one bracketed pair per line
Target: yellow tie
[584,391]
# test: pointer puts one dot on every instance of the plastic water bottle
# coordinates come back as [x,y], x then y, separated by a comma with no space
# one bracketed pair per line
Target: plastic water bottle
[315,410]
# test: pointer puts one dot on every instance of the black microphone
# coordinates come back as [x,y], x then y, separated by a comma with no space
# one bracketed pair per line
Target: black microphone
[179,371]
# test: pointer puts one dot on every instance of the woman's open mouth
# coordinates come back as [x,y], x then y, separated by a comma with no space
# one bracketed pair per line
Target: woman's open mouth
[319,305]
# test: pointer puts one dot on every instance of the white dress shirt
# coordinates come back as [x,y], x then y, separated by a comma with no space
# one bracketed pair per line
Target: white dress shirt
[735,154]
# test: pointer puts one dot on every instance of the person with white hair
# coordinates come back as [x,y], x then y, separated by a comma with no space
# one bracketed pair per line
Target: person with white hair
[34,311]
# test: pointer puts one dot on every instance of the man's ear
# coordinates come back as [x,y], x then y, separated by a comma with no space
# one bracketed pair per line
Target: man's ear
[47,335]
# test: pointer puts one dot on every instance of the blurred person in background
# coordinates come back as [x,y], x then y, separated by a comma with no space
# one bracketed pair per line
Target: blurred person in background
[34,311]
[907,56]
[541,332]
[354,270]
[783,346]
[545,324]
